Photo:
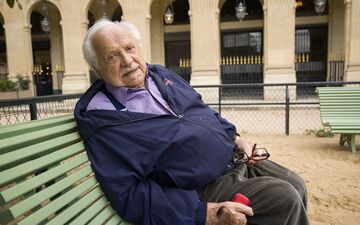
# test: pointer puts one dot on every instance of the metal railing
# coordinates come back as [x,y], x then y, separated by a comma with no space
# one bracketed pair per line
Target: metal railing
[26,109]
[269,108]
[336,70]
[262,108]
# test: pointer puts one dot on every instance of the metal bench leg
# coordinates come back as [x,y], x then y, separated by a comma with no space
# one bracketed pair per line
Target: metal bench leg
[350,139]
[352,143]
[342,139]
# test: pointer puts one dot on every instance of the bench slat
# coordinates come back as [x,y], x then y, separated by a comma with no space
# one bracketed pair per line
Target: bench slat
[36,199]
[76,208]
[336,119]
[345,115]
[338,104]
[344,131]
[337,98]
[104,215]
[115,219]
[26,186]
[34,151]
[355,107]
[337,89]
[27,127]
[58,203]
[17,172]
[22,140]
[93,210]
[345,126]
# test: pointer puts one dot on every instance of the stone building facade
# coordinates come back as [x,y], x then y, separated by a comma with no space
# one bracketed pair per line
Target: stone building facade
[278,37]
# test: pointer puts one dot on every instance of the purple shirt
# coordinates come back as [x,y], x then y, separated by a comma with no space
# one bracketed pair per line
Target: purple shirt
[144,100]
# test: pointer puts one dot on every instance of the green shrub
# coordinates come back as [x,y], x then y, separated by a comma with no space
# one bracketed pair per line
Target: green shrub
[324,132]
[3,84]
[23,83]
[8,85]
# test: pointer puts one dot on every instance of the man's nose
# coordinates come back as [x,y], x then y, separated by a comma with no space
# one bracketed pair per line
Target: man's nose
[126,59]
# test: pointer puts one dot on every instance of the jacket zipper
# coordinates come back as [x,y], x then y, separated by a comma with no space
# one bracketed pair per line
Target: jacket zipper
[181,116]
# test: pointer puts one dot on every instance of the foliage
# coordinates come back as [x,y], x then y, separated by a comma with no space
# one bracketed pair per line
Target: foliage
[324,132]
[6,84]
[12,2]
[9,85]
[22,83]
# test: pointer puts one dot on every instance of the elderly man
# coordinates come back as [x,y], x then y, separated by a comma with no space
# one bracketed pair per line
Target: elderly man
[161,155]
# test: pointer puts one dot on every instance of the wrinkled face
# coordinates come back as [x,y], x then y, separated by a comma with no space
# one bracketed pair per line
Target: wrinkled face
[120,62]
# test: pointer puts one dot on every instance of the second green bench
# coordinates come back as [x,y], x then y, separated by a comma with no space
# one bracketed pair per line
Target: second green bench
[340,110]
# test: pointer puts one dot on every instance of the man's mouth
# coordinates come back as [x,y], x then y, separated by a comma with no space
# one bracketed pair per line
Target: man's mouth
[127,72]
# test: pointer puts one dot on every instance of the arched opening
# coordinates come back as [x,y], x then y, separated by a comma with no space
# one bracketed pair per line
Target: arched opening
[117,14]
[47,49]
[241,49]
[109,9]
[3,56]
[311,45]
[181,9]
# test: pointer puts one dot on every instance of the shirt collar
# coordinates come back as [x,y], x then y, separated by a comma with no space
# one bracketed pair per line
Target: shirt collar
[120,93]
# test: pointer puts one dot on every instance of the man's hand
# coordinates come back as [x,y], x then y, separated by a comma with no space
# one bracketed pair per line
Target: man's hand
[227,213]
[243,145]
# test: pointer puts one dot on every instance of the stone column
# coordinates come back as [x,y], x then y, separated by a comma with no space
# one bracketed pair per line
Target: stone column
[56,50]
[138,13]
[352,42]
[336,28]
[205,42]
[279,44]
[157,33]
[76,79]
[18,45]
[336,32]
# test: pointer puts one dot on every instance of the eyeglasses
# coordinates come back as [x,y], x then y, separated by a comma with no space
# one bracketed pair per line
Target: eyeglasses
[258,154]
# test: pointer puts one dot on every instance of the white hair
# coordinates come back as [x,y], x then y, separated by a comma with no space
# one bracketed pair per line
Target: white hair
[88,49]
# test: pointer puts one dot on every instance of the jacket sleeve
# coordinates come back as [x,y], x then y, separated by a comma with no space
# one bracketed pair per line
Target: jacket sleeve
[228,127]
[123,175]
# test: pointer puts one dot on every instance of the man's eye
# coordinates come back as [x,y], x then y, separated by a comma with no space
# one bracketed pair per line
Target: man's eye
[110,58]
[130,48]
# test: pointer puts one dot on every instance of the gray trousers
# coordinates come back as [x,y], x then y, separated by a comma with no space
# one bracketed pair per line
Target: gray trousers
[277,195]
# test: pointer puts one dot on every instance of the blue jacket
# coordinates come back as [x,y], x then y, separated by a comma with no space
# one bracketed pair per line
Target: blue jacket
[150,166]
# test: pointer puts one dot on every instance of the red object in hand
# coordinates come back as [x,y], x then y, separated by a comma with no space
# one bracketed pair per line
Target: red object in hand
[241,199]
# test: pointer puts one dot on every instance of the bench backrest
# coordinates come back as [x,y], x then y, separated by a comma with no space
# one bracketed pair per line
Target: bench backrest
[340,108]
[46,177]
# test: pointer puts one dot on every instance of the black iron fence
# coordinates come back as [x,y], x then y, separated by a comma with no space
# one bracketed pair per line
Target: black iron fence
[241,74]
[280,110]
[336,69]
[183,72]
[41,107]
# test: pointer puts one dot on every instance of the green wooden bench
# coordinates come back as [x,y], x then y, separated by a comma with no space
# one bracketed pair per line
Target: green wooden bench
[46,177]
[340,110]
